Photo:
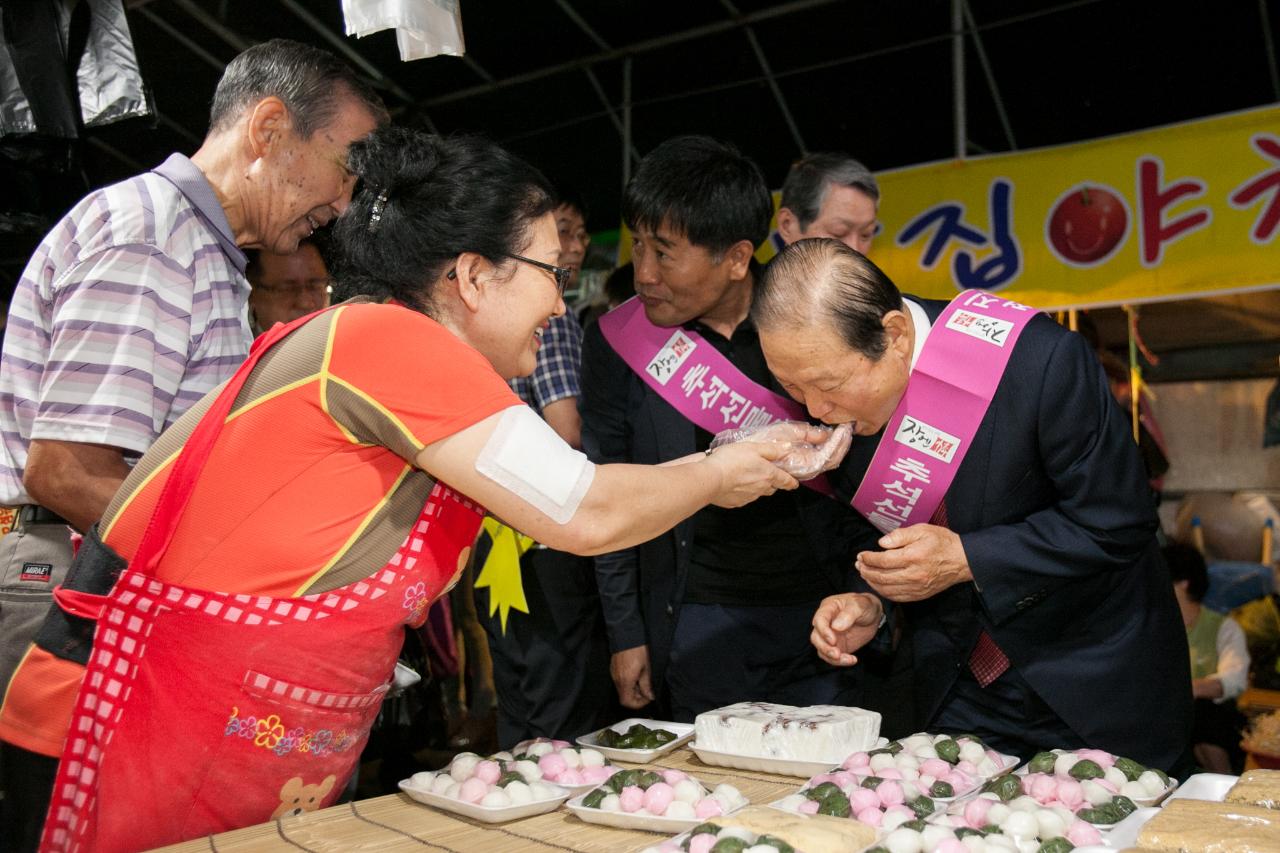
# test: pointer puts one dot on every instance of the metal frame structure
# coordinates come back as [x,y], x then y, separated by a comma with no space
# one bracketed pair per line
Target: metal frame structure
[618,112]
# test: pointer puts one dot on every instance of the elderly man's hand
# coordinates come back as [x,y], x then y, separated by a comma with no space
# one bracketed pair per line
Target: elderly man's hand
[918,562]
[843,624]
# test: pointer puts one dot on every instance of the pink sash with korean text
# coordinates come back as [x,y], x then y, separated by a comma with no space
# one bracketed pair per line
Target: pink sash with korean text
[946,398]
[694,377]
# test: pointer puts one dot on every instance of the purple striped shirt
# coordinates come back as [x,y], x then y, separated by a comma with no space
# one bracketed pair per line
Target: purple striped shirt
[131,309]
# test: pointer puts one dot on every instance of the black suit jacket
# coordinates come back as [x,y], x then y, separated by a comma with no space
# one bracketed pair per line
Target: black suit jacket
[1058,525]
[641,588]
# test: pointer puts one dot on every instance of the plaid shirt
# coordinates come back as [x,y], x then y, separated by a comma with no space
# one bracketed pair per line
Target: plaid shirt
[556,376]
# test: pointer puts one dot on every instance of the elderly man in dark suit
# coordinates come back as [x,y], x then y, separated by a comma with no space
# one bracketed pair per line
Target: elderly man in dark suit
[1041,611]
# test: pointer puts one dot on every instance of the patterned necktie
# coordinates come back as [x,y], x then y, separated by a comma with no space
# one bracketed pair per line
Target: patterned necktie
[987,661]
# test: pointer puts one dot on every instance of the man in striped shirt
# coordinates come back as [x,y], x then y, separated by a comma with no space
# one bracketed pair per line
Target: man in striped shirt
[130,310]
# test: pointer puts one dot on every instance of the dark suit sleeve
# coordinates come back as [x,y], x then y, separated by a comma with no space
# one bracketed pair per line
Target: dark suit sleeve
[1103,517]
[606,437]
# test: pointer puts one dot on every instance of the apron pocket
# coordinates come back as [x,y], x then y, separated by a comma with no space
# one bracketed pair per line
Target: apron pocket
[286,748]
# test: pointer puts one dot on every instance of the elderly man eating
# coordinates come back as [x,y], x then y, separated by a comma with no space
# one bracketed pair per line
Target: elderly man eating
[1012,517]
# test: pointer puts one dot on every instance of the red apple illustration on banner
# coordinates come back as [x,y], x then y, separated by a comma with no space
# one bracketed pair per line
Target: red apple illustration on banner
[1087,224]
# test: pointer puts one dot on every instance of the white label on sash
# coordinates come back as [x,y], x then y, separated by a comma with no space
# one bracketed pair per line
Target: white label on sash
[980,326]
[926,439]
[668,360]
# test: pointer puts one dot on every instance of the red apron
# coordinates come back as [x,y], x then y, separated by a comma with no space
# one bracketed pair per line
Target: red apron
[204,711]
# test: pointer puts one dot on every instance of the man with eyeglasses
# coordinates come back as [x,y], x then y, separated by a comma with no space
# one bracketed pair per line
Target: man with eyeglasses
[716,611]
[285,287]
[551,665]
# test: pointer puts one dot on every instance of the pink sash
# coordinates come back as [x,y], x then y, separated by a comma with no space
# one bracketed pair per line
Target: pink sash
[946,398]
[694,377]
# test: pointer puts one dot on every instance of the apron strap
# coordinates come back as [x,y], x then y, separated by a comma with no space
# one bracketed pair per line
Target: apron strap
[186,469]
[86,605]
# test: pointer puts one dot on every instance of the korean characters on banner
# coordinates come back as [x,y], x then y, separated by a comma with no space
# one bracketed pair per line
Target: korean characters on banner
[895,507]
[697,381]
[1175,212]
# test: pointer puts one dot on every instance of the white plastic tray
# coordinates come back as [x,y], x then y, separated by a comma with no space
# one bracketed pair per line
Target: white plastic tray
[487,814]
[1137,801]
[1124,834]
[632,820]
[1007,763]
[962,794]
[682,731]
[1205,786]
[680,839]
[777,766]
[760,764]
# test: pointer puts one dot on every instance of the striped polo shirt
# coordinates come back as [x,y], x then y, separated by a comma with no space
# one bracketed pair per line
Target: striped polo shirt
[130,310]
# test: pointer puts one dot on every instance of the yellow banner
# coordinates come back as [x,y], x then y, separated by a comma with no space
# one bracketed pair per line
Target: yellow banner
[1172,213]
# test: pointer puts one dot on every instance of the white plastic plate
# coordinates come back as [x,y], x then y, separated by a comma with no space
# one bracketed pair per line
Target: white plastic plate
[682,731]
[487,814]
[632,820]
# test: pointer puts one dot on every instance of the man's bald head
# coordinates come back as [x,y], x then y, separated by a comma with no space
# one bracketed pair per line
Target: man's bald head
[822,281]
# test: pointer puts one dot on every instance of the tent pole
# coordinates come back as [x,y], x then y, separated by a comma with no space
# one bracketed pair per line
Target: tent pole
[991,77]
[1270,46]
[768,74]
[626,122]
[957,75]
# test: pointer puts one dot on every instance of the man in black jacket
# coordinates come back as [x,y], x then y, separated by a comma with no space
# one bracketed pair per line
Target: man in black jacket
[718,610]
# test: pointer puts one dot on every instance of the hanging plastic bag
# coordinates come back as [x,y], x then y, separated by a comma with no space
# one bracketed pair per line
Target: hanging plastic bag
[423,27]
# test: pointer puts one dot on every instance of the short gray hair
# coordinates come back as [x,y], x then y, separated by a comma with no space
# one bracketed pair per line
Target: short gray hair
[821,280]
[813,175]
[311,82]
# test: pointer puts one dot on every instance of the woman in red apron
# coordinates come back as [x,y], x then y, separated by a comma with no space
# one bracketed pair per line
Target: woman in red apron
[279,537]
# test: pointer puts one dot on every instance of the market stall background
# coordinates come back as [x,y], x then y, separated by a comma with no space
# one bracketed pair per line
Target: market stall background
[583,88]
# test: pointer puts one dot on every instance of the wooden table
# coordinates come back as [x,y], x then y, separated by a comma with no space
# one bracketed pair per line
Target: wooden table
[396,823]
[1255,700]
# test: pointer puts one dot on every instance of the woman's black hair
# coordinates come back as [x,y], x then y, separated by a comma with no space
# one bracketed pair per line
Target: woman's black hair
[421,201]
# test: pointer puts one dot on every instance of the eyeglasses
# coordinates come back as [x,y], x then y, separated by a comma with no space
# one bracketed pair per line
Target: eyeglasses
[562,274]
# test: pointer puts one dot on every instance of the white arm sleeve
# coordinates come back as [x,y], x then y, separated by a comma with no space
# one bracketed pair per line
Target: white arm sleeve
[527,458]
[1233,660]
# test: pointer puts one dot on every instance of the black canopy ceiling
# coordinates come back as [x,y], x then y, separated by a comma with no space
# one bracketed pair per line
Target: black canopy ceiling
[871,77]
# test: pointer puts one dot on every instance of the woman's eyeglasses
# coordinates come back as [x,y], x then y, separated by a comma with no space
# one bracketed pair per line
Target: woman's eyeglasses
[562,274]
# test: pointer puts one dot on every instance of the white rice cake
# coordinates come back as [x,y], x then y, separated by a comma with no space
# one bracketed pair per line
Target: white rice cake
[764,730]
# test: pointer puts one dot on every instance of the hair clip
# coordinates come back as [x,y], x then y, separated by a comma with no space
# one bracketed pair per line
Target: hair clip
[375,212]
